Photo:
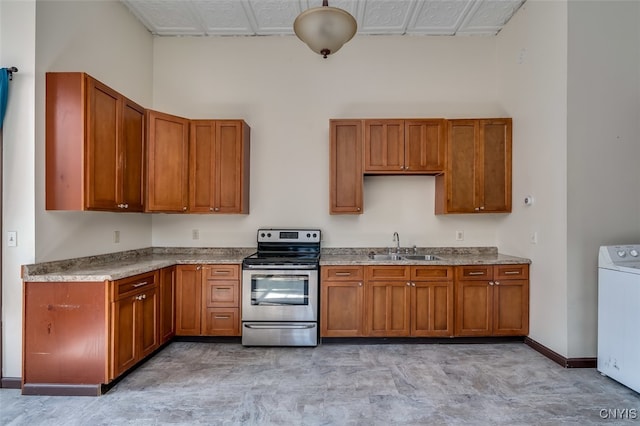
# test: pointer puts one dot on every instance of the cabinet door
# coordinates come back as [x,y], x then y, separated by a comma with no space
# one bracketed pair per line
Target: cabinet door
[131,152]
[425,144]
[511,308]
[167,163]
[102,157]
[124,336]
[494,163]
[188,300]
[387,308]
[345,176]
[432,309]
[384,146]
[167,298]
[201,165]
[474,305]
[147,322]
[231,193]
[341,304]
[461,175]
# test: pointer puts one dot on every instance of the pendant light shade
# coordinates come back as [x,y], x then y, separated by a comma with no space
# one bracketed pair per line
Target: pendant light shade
[325,29]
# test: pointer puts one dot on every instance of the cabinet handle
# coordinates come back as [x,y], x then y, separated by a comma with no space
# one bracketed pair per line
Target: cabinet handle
[219,272]
[512,272]
[359,284]
[126,206]
[357,208]
[497,282]
[406,167]
[223,288]
[140,284]
[217,209]
[477,208]
[184,209]
[490,282]
[222,317]
[481,207]
[413,284]
[343,274]
[210,209]
[476,273]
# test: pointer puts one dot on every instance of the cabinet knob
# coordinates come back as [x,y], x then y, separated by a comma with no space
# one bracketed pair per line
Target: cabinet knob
[184,209]
[497,282]
[217,209]
[481,207]
[477,208]
[358,208]
[360,284]
[490,282]
[210,209]
[409,284]
[413,284]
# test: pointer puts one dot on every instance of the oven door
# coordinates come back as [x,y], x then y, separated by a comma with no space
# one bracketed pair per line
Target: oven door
[279,295]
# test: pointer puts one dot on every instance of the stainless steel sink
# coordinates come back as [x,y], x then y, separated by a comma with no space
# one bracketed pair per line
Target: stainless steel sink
[403,257]
[385,257]
[420,257]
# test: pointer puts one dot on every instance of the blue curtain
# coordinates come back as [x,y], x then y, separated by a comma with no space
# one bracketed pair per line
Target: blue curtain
[4,93]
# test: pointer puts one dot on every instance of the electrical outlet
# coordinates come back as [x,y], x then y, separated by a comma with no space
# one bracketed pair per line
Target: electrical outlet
[195,234]
[116,237]
[459,235]
[12,238]
[534,238]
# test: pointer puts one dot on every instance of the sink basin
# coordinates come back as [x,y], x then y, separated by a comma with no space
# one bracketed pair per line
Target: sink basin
[385,257]
[403,257]
[420,257]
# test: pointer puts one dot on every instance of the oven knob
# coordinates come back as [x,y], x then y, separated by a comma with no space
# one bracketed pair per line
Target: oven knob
[308,235]
[269,234]
[622,253]
[633,252]
[315,235]
[262,235]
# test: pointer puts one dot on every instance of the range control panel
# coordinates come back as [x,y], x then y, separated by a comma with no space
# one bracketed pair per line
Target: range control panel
[288,235]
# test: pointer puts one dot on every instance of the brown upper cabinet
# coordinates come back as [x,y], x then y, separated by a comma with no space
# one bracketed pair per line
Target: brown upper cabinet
[167,163]
[477,178]
[94,146]
[219,166]
[404,146]
[346,179]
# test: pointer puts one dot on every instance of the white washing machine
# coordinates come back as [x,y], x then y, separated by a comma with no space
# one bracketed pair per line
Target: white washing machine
[619,314]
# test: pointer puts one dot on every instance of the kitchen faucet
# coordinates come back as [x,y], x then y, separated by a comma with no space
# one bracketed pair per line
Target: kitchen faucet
[396,239]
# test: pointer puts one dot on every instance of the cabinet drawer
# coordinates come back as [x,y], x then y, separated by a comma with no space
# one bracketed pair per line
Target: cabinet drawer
[431,273]
[222,322]
[220,293]
[511,272]
[126,286]
[386,272]
[222,272]
[474,272]
[342,273]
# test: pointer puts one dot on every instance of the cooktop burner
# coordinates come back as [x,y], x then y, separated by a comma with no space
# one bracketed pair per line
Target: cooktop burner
[286,247]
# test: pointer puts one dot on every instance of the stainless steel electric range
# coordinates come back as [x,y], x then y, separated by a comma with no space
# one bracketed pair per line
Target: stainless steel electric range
[280,285]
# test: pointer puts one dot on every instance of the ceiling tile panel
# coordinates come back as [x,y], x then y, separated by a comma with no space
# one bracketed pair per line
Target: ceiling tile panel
[224,17]
[386,16]
[166,17]
[439,17]
[489,16]
[274,16]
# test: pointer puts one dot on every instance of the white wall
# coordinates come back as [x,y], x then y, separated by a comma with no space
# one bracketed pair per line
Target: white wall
[70,36]
[17,47]
[604,150]
[532,74]
[287,94]
[103,39]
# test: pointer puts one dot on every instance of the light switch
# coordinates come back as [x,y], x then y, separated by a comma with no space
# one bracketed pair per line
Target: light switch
[12,238]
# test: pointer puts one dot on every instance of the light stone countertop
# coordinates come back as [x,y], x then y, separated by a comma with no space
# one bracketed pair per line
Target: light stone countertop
[115,266]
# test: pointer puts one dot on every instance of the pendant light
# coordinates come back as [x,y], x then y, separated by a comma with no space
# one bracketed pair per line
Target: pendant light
[325,29]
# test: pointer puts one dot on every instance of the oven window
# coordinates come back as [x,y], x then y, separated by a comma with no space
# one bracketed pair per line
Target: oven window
[270,290]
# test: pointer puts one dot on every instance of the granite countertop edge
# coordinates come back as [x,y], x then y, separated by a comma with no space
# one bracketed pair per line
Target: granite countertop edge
[115,266]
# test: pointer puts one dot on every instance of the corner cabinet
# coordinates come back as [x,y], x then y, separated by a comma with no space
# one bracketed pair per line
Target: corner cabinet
[404,146]
[167,163]
[94,146]
[346,179]
[477,178]
[219,166]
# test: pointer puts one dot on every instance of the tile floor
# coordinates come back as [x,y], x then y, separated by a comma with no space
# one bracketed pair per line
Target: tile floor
[341,384]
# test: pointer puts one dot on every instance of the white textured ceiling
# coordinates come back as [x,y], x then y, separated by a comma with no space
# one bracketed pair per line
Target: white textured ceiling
[275,17]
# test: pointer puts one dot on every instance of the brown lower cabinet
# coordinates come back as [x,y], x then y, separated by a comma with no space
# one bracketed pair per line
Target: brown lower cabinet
[492,300]
[424,301]
[79,336]
[208,300]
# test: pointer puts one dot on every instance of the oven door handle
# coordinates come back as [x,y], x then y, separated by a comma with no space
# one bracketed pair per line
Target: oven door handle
[280,326]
